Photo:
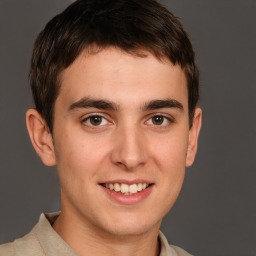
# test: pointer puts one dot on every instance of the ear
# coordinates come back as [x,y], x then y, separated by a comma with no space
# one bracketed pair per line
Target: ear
[40,137]
[193,137]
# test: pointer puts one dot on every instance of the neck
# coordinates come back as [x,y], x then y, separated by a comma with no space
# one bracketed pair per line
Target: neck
[88,240]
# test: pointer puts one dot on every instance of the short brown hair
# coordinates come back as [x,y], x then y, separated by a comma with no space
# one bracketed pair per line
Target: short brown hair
[131,25]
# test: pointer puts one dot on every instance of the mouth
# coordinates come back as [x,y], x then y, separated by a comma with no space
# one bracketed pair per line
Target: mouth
[126,189]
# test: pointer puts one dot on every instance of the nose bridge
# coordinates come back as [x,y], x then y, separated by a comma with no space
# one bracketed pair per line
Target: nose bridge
[129,151]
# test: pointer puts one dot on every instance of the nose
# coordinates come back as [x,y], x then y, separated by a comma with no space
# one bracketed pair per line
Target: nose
[129,150]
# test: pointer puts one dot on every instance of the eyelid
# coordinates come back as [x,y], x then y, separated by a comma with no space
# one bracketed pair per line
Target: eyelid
[94,114]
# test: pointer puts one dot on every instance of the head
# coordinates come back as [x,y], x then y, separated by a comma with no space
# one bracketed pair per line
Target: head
[92,25]
[115,86]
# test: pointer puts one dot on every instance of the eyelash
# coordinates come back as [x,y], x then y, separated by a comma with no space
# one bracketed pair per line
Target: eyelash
[95,115]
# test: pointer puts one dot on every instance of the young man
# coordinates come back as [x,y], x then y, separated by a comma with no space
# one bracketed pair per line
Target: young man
[116,89]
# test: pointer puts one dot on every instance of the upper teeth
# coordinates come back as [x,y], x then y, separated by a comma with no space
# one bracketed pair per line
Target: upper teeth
[125,188]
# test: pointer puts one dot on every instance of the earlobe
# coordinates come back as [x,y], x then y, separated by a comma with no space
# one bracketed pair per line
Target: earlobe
[193,137]
[40,137]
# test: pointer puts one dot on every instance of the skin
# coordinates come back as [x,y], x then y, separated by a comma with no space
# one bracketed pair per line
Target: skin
[128,144]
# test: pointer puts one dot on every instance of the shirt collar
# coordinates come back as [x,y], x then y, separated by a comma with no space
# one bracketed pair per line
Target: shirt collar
[53,244]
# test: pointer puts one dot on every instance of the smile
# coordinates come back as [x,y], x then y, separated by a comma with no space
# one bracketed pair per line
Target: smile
[126,189]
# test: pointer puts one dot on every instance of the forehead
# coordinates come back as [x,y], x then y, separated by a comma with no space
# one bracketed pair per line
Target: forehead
[123,78]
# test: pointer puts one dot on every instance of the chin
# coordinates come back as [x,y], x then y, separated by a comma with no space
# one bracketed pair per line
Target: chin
[132,227]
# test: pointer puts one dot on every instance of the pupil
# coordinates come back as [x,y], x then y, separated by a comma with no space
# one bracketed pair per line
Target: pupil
[157,120]
[96,120]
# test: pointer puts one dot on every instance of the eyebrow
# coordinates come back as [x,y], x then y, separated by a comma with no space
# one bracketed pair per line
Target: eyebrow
[94,103]
[108,105]
[158,104]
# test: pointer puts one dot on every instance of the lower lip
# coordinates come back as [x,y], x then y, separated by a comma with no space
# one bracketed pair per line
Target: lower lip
[128,199]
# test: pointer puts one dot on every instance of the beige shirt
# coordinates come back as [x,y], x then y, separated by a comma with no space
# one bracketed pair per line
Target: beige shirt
[44,241]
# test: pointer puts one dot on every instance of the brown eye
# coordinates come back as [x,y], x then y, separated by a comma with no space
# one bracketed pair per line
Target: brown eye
[95,120]
[158,120]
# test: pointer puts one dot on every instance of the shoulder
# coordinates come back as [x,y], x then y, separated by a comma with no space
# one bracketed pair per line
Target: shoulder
[7,249]
[25,246]
[170,250]
[30,244]
[179,251]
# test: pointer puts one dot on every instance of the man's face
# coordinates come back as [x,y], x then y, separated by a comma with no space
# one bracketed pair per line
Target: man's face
[121,121]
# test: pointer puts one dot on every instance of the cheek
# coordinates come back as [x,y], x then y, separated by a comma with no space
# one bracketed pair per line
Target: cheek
[78,155]
[171,151]
[77,166]
[172,166]
[170,159]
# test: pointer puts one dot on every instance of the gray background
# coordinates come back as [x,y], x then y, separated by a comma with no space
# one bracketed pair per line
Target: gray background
[216,212]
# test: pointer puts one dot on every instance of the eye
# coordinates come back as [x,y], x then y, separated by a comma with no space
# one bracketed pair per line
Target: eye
[159,120]
[95,120]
